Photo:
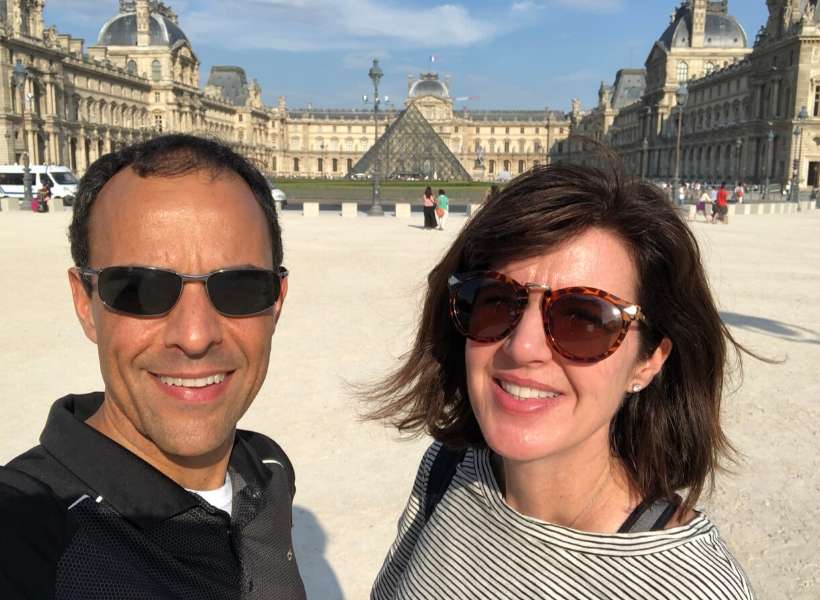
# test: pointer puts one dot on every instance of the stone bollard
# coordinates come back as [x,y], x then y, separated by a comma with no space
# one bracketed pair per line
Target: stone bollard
[310,209]
[473,209]
[56,204]
[350,210]
[9,204]
[402,210]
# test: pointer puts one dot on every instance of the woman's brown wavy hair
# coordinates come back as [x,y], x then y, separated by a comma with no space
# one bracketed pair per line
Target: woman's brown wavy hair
[668,436]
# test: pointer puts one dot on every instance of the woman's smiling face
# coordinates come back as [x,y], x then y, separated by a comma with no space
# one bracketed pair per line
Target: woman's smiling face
[530,402]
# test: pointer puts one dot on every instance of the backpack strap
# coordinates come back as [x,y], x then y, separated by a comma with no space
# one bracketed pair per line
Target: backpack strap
[441,474]
[651,517]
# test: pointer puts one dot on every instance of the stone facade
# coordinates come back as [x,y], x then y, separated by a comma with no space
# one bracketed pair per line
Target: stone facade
[62,103]
[742,116]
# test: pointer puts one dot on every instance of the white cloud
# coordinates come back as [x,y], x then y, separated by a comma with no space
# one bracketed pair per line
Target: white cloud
[301,25]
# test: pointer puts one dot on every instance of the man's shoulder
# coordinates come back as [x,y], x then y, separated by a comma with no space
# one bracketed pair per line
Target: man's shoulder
[35,527]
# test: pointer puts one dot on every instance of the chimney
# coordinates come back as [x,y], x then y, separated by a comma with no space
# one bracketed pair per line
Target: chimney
[143,19]
[698,23]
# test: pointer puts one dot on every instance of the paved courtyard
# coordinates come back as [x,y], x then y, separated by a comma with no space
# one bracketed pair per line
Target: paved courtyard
[350,312]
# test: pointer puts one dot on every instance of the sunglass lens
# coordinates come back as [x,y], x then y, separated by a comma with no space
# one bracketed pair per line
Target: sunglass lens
[139,291]
[584,327]
[486,309]
[243,292]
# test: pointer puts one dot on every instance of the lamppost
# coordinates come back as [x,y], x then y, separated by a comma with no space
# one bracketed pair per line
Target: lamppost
[644,156]
[682,94]
[20,77]
[769,148]
[798,142]
[375,73]
[739,146]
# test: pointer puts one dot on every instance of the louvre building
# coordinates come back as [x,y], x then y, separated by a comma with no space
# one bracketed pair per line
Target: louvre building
[714,103]
[63,102]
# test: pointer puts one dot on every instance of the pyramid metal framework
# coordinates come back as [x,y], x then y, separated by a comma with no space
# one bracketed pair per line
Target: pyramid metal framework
[410,148]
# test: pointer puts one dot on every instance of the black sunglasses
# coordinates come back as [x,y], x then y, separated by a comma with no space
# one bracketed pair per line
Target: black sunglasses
[153,292]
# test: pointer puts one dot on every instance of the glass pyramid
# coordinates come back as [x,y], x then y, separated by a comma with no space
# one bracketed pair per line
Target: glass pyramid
[411,149]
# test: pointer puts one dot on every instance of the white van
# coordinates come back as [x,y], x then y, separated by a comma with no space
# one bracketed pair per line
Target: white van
[62,180]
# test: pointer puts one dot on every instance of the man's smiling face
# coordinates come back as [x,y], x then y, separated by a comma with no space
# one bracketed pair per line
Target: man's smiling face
[192,224]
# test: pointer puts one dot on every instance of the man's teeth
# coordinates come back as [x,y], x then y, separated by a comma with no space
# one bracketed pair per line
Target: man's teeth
[525,393]
[193,383]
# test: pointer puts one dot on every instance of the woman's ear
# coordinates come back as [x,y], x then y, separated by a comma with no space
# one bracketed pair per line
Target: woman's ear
[646,369]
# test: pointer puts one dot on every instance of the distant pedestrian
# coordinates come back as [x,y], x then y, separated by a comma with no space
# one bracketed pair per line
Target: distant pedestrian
[442,209]
[721,209]
[704,202]
[740,192]
[40,202]
[491,193]
[429,208]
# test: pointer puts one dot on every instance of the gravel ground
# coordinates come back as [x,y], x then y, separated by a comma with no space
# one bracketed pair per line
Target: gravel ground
[350,312]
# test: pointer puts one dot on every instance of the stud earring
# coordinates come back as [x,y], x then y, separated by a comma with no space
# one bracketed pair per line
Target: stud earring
[636,388]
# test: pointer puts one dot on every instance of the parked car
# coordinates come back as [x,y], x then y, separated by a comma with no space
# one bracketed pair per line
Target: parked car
[279,197]
[62,181]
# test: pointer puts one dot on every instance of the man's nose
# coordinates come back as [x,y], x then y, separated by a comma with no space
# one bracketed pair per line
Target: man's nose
[193,325]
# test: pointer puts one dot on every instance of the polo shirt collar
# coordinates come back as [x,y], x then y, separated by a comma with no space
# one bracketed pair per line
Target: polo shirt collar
[136,490]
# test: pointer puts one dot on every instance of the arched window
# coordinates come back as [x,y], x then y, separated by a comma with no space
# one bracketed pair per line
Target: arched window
[132,67]
[709,68]
[683,71]
[156,70]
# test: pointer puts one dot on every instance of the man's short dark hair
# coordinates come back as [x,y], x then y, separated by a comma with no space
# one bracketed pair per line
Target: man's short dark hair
[168,156]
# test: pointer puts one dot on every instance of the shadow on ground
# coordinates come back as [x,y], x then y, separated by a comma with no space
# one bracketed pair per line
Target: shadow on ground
[309,542]
[778,329]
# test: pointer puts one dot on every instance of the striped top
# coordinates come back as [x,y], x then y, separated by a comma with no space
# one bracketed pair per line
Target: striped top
[476,546]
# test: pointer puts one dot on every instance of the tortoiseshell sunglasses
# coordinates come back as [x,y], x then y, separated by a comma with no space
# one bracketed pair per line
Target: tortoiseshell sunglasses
[584,324]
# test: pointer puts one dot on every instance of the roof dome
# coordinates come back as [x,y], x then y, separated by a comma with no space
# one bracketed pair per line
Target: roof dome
[721,30]
[121,30]
[429,85]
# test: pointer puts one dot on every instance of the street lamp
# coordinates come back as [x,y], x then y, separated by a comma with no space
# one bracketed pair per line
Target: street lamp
[644,157]
[770,139]
[19,76]
[682,95]
[798,142]
[739,146]
[375,73]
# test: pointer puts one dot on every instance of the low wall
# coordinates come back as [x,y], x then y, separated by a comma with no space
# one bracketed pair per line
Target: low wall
[764,208]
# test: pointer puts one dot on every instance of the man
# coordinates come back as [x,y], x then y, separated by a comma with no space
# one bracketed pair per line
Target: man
[148,490]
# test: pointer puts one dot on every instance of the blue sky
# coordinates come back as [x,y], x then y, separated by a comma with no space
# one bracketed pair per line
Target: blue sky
[507,53]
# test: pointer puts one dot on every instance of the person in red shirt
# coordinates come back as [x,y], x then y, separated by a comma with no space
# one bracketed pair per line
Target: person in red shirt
[722,207]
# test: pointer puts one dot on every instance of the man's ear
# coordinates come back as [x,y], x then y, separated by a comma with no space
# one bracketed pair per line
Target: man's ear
[647,368]
[82,304]
[277,308]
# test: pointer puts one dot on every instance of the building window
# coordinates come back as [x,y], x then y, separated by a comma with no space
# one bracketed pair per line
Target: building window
[522,130]
[506,130]
[709,68]
[506,145]
[320,165]
[156,70]
[240,118]
[683,71]
[492,166]
[274,163]
[158,122]
[132,67]
[156,96]
[295,165]
[817,101]
[520,166]
[349,165]
[335,165]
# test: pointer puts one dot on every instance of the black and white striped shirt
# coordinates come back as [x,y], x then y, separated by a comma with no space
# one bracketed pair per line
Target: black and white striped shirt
[476,546]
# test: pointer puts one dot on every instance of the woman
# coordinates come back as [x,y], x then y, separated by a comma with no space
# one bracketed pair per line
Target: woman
[442,209]
[721,210]
[429,202]
[571,345]
[704,202]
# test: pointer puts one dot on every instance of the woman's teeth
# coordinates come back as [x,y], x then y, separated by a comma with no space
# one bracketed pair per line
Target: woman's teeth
[525,393]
